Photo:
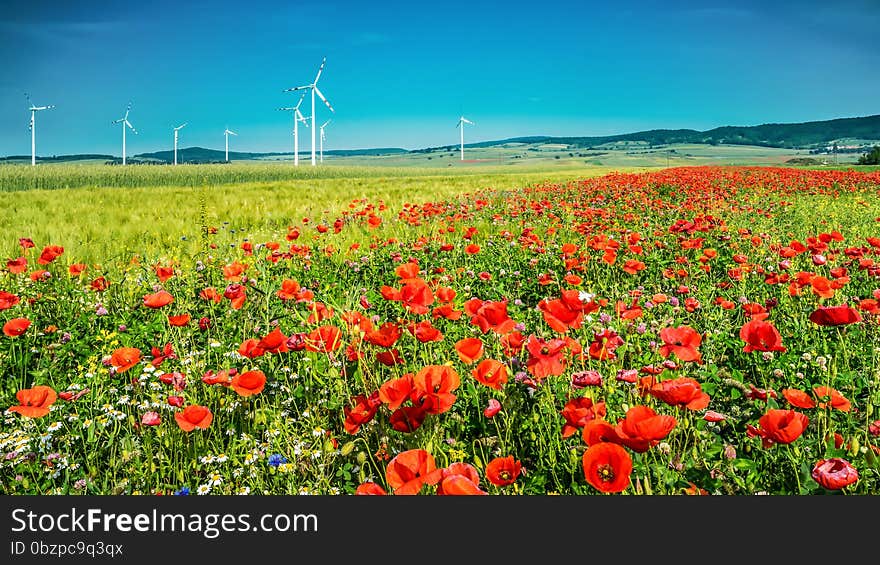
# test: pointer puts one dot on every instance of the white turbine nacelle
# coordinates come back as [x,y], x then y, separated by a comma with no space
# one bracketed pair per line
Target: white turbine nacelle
[297,117]
[313,88]
[125,123]
[323,137]
[32,127]
[227,133]
[461,121]
[177,129]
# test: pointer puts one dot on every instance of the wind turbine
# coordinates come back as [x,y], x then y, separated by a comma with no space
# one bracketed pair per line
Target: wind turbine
[178,128]
[227,133]
[313,87]
[297,118]
[34,110]
[461,121]
[125,123]
[322,139]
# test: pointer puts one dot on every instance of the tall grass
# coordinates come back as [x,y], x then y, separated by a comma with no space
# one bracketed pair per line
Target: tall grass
[53,177]
[104,222]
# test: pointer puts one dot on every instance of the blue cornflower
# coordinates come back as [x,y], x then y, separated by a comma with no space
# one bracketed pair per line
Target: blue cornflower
[276,460]
[182,492]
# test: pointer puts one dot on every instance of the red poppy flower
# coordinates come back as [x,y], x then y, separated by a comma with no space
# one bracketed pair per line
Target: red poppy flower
[458,485]
[836,400]
[489,315]
[17,266]
[370,488]
[492,409]
[415,296]
[408,419]
[461,469]
[163,272]
[363,410]
[237,294]
[760,335]
[179,320]
[469,349]
[396,391]
[683,391]
[49,254]
[249,383]
[641,428]
[16,326]
[834,473]
[434,385]
[603,345]
[194,416]
[34,402]
[158,299]
[683,341]
[491,373]
[835,316]
[125,358]
[410,470]
[100,284]
[583,379]
[503,471]
[8,300]
[779,426]
[425,332]
[324,339]
[578,411]
[607,467]
[77,269]
[545,356]
[712,416]
[798,398]
[385,335]
[151,419]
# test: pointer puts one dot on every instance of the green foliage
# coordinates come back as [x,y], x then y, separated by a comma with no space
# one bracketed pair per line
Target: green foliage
[872,157]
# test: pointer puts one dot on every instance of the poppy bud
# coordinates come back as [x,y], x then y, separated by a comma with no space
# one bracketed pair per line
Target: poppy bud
[361,456]
[854,446]
[204,323]
[347,448]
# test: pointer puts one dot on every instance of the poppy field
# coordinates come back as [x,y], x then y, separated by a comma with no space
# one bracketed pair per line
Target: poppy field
[694,330]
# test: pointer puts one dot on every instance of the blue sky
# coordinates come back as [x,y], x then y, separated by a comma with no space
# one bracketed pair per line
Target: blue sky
[400,73]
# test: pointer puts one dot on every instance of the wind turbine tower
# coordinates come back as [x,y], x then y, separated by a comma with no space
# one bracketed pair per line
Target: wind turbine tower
[227,133]
[177,129]
[461,121]
[313,87]
[125,124]
[297,118]
[32,127]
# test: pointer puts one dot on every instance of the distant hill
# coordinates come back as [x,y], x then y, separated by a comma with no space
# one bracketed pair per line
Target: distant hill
[806,135]
[60,158]
[204,155]
[815,136]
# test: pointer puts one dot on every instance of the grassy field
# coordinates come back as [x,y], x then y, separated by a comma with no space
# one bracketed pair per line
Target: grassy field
[102,223]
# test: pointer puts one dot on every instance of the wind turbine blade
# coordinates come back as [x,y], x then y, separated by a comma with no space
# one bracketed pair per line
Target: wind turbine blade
[301,98]
[321,96]
[297,88]
[325,124]
[130,126]
[320,70]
